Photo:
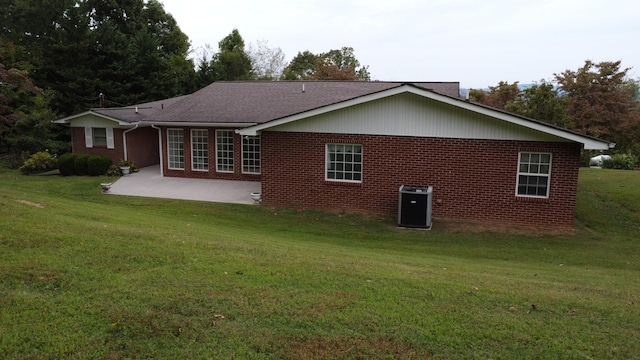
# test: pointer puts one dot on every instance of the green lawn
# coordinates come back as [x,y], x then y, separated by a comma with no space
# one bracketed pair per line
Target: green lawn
[84,275]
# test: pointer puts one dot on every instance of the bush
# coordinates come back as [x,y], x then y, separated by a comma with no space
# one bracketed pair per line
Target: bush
[38,163]
[132,166]
[80,164]
[114,170]
[621,162]
[66,164]
[98,165]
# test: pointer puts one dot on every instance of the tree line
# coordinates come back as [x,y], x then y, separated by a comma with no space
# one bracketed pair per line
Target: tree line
[61,57]
[598,99]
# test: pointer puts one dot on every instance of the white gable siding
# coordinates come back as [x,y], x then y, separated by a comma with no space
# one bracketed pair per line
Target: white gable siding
[91,120]
[412,115]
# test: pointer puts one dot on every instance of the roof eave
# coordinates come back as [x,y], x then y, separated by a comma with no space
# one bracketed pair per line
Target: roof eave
[200,124]
[68,119]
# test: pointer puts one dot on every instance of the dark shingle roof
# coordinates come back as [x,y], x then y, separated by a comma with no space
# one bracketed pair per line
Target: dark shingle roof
[138,112]
[254,102]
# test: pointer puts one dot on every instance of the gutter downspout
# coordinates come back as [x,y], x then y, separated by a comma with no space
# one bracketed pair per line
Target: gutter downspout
[124,139]
[159,148]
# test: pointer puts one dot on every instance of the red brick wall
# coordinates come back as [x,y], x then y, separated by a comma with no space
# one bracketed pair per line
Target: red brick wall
[142,146]
[79,146]
[212,173]
[471,179]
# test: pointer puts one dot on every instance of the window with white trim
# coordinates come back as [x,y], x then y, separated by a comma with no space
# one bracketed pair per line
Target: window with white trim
[175,148]
[224,150]
[251,154]
[534,173]
[344,162]
[200,149]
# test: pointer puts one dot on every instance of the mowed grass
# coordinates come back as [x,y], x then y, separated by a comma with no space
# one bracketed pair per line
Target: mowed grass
[85,275]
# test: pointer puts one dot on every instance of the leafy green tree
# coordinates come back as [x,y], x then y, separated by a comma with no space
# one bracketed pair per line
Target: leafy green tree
[333,65]
[301,67]
[129,50]
[541,102]
[341,65]
[497,96]
[232,62]
[25,126]
[601,101]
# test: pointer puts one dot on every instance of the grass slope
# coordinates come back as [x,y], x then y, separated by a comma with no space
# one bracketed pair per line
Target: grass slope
[83,275]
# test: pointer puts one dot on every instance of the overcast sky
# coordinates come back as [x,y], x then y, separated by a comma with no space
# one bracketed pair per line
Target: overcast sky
[477,43]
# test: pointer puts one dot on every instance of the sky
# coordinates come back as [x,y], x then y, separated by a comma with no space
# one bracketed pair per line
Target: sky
[476,43]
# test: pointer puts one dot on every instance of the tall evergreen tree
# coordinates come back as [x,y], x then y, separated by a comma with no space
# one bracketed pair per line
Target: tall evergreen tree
[232,62]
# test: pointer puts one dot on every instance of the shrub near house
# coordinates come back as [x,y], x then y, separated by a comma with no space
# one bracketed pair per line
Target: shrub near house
[82,164]
[39,162]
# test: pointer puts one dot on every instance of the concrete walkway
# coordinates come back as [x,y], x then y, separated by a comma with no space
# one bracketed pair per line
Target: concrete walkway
[149,183]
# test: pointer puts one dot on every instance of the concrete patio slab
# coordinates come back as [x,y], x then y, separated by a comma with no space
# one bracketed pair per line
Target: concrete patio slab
[148,182]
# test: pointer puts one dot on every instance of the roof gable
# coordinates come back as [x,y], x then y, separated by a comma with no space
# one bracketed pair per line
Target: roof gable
[246,103]
[511,121]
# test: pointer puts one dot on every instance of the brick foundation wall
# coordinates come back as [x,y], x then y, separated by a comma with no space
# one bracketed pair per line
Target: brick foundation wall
[471,179]
[211,173]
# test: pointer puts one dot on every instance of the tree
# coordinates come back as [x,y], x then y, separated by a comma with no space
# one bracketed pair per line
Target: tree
[541,102]
[25,126]
[341,65]
[601,102]
[497,96]
[333,65]
[301,67]
[232,62]
[268,63]
[130,50]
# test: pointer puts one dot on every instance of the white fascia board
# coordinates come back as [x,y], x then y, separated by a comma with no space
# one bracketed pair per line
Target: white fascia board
[588,142]
[68,119]
[197,124]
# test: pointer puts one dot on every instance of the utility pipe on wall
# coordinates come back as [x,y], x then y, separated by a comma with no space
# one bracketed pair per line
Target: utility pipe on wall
[159,148]
[124,140]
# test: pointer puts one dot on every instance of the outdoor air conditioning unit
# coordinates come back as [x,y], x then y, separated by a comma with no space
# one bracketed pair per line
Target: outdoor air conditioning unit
[414,206]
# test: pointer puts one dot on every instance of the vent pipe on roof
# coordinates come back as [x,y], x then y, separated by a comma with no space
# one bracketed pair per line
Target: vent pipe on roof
[136,109]
[303,88]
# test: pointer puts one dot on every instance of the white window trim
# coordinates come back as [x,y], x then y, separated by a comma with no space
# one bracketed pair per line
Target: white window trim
[232,152]
[110,141]
[518,174]
[169,149]
[259,156]
[193,150]
[88,137]
[327,161]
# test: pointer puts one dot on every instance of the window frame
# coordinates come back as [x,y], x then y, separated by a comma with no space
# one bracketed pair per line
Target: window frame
[95,137]
[180,151]
[537,166]
[200,155]
[353,164]
[250,147]
[229,152]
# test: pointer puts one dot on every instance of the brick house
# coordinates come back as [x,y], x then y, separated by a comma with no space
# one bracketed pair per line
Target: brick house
[349,146]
